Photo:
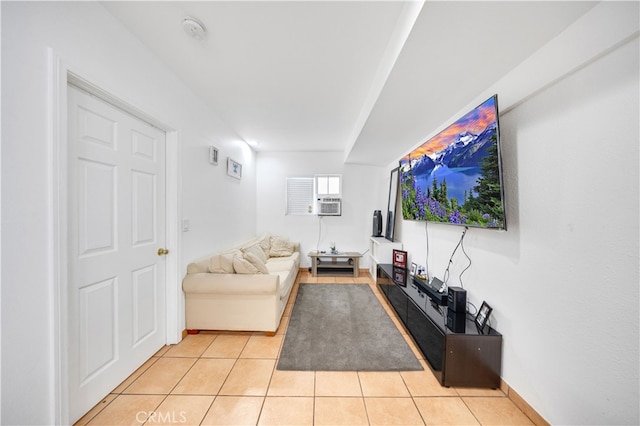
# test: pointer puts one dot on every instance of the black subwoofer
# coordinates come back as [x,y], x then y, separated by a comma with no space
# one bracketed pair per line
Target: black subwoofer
[457,299]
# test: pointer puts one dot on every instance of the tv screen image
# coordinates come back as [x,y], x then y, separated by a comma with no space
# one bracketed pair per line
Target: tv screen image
[456,176]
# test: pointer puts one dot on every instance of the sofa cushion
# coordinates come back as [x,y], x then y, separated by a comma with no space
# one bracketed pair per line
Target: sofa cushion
[256,251]
[277,264]
[222,263]
[281,247]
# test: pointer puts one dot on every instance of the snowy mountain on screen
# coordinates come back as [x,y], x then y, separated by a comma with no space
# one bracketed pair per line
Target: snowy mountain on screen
[468,149]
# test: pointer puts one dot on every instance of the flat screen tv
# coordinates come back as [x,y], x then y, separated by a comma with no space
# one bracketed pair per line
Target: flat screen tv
[456,176]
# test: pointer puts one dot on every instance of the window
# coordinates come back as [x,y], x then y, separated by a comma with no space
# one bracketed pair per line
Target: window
[328,185]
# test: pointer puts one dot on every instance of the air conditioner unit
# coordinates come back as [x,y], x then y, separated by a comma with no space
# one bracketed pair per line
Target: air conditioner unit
[329,207]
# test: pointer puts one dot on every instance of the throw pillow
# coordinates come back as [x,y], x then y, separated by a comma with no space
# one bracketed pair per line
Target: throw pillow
[257,251]
[243,266]
[265,244]
[256,262]
[281,247]
[222,263]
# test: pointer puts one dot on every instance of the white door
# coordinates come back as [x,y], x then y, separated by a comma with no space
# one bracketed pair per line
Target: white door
[116,199]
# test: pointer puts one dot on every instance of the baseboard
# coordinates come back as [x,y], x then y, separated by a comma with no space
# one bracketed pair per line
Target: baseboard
[523,405]
[184,333]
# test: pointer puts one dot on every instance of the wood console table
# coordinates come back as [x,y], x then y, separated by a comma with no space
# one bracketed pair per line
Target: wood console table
[471,358]
[339,260]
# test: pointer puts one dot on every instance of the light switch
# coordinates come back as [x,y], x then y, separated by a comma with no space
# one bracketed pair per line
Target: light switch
[186,224]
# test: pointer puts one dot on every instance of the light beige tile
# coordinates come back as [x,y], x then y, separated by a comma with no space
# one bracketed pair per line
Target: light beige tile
[325,280]
[163,350]
[337,383]
[191,346]
[479,392]
[340,411]
[132,378]
[496,411]
[392,411]
[161,377]
[249,377]
[234,410]
[424,383]
[205,377]
[289,308]
[291,383]
[128,410]
[445,411]
[261,346]
[387,383]
[284,323]
[226,346]
[345,280]
[96,409]
[181,410]
[286,411]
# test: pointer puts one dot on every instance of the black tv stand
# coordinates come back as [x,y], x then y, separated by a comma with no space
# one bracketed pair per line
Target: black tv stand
[470,358]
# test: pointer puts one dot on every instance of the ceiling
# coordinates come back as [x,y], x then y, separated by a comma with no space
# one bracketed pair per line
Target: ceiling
[370,79]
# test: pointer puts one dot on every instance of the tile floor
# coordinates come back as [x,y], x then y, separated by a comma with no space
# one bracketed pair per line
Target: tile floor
[228,378]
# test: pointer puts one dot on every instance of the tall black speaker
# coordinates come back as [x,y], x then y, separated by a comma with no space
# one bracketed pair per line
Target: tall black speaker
[377,223]
[457,299]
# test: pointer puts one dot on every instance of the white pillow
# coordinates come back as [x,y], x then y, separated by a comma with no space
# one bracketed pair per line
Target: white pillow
[243,266]
[281,247]
[223,263]
[256,262]
[265,244]
[257,251]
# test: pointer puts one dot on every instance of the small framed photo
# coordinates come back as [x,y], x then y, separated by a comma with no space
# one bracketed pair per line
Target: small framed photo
[483,315]
[400,258]
[414,268]
[234,169]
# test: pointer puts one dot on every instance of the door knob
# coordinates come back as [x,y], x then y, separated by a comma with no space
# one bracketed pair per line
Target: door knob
[162,252]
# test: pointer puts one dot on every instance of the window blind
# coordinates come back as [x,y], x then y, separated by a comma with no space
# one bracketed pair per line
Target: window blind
[299,196]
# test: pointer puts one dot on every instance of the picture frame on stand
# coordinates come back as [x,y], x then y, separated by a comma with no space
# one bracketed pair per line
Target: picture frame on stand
[400,258]
[483,315]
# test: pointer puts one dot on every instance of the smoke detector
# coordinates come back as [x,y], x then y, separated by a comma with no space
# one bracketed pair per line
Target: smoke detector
[194,28]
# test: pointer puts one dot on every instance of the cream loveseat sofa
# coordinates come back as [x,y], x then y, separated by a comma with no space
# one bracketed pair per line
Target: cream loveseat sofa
[245,288]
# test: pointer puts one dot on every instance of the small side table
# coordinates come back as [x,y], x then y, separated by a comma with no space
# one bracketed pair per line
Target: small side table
[346,260]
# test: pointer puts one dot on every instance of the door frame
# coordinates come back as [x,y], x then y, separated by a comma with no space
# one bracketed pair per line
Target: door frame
[60,75]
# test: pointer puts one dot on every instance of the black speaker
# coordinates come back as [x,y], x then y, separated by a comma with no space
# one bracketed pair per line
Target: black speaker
[457,299]
[456,321]
[377,223]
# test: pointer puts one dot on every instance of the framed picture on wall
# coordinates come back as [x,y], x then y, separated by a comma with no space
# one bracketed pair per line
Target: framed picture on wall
[234,169]
[400,258]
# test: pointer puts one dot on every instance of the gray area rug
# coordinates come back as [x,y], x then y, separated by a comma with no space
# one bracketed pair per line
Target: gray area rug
[343,327]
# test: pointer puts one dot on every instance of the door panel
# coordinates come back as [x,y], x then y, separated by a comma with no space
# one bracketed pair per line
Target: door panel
[116,173]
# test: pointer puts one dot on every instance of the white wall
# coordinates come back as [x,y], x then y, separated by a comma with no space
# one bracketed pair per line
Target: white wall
[563,279]
[350,232]
[89,41]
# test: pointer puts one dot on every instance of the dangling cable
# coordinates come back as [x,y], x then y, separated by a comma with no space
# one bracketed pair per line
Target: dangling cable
[319,233]
[467,256]
[426,232]
[446,272]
